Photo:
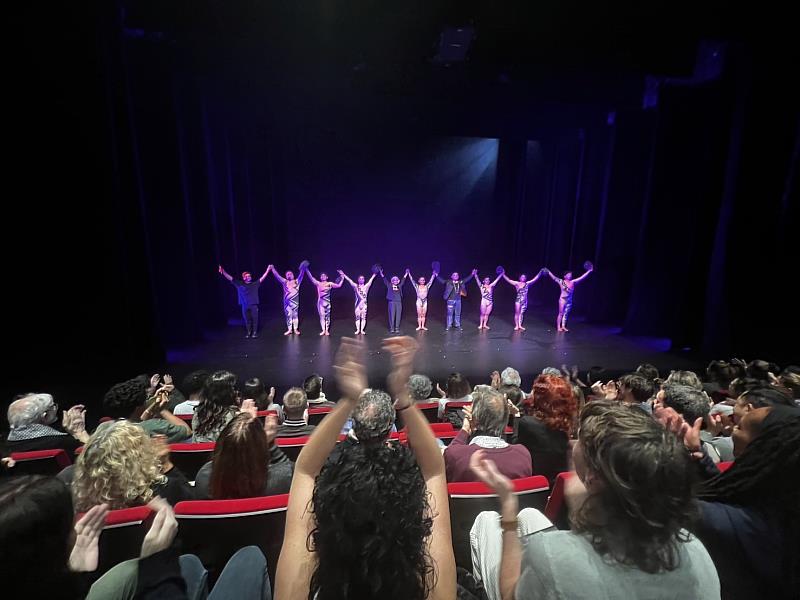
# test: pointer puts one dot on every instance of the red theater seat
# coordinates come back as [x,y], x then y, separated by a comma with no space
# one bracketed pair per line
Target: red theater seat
[556,508]
[123,535]
[40,462]
[468,499]
[430,410]
[724,465]
[215,529]
[455,406]
[188,458]
[292,446]
[186,417]
[315,415]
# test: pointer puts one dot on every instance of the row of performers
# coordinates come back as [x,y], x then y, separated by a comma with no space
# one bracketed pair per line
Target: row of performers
[454,290]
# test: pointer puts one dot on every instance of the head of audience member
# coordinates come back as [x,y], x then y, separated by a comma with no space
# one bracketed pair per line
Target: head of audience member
[648,371]
[295,404]
[489,411]
[635,389]
[761,369]
[457,386]
[760,397]
[372,522]
[420,387]
[553,403]
[373,417]
[552,371]
[742,384]
[512,393]
[638,479]
[596,374]
[312,385]
[791,370]
[32,409]
[126,400]
[241,460]
[36,521]
[689,378]
[721,372]
[766,443]
[118,466]
[510,377]
[685,400]
[791,381]
[193,383]
[219,398]
[254,389]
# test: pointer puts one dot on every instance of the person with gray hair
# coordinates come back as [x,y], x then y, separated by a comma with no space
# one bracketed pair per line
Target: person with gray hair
[420,387]
[690,403]
[510,376]
[552,371]
[30,418]
[484,423]
[373,417]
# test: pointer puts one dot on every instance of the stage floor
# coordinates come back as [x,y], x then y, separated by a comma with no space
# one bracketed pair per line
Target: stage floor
[283,361]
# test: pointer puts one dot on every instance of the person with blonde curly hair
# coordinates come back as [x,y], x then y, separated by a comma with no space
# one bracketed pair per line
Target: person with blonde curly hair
[123,467]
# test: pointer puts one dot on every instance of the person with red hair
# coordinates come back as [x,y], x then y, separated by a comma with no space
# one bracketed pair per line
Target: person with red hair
[550,414]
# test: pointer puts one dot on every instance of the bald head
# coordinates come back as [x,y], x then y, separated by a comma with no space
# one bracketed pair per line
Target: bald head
[30,409]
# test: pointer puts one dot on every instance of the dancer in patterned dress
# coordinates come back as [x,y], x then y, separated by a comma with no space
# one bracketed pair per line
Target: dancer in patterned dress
[521,301]
[324,288]
[291,298]
[361,290]
[567,285]
[487,298]
[421,287]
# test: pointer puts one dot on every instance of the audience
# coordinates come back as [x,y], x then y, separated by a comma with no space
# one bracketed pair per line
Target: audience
[631,504]
[219,404]
[295,415]
[687,378]
[192,387]
[550,415]
[30,418]
[637,390]
[420,387]
[120,466]
[375,523]
[457,390]
[255,390]
[483,428]
[649,372]
[312,386]
[128,400]
[691,404]
[246,462]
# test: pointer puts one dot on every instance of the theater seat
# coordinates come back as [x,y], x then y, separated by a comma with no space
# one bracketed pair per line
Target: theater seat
[292,446]
[40,462]
[724,465]
[468,499]
[455,406]
[556,508]
[123,535]
[315,415]
[430,410]
[188,458]
[215,529]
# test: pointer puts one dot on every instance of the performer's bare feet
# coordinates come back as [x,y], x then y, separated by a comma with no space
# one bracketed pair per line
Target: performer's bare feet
[522,328]
[486,327]
[418,328]
[327,333]
[322,333]
[424,328]
[564,329]
[287,332]
[297,332]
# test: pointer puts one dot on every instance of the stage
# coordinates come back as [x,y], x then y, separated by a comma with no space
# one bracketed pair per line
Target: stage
[283,361]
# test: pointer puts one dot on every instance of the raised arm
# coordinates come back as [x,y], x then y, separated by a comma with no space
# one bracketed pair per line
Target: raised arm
[369,283]
[310,276]
[339,282]
[277,275]
[344,276]
[434,275]
[264,276]
[296,562]
[535,279]
[431,464]
[470,276]
[508,279]
[411,279]
[225,274]
[441,280]
[553,277]
[582,277]
[496,279]
[303,269]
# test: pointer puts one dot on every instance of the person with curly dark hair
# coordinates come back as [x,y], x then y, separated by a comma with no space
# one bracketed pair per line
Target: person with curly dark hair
[129,400]
[550,414]
[631,504]
[750,514]
[219,405]
[375,523]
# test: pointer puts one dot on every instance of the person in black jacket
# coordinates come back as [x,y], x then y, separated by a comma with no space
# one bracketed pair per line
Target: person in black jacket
[454,289]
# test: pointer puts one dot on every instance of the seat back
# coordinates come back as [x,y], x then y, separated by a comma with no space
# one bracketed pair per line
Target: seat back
[292,446]
[40,462]
[123,535]
[468,499]
[315,415]
[724,465]
[215,529]
[189,458]
[556,508]
[430,410]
